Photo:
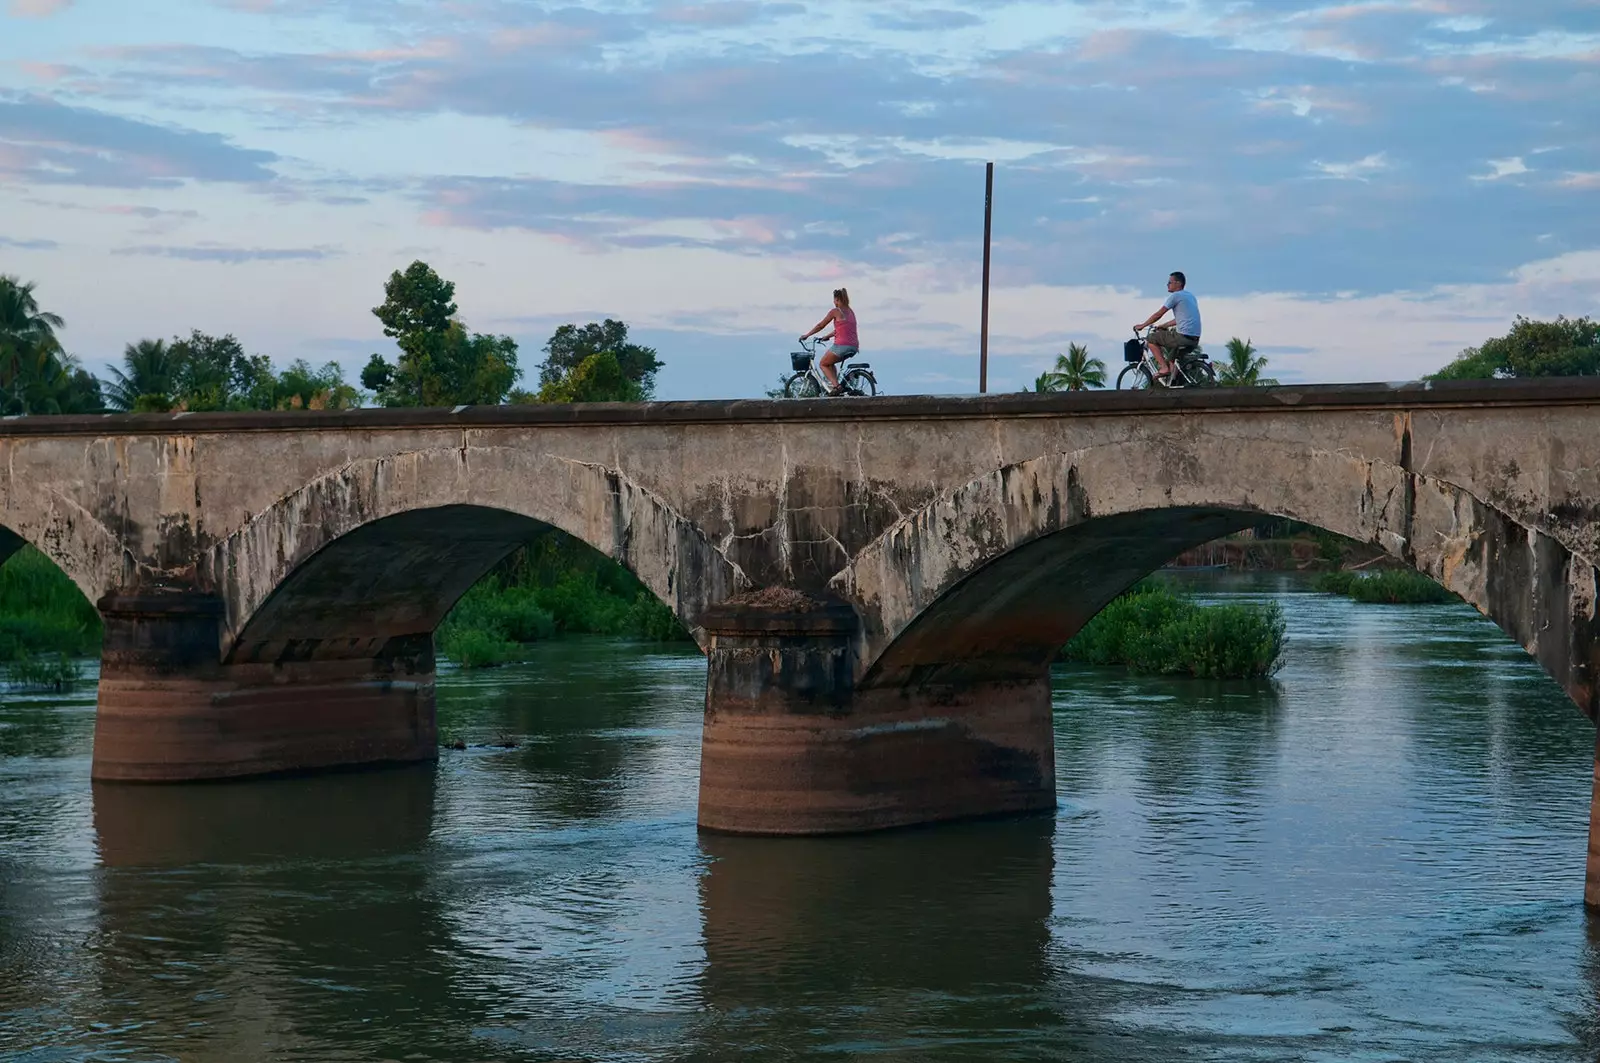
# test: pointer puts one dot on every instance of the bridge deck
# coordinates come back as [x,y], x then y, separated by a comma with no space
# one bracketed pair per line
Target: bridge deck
[1411,395]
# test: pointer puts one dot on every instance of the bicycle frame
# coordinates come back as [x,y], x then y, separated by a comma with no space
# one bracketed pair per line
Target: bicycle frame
[1181,365]
[813,369]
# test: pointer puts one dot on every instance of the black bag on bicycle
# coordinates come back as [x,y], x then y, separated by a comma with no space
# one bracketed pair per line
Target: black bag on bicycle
[1132,351]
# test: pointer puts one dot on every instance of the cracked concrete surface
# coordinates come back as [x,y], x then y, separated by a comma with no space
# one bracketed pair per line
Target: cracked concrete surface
[931,517]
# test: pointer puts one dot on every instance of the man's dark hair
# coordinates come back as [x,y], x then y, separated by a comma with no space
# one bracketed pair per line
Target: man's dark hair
[1183,282]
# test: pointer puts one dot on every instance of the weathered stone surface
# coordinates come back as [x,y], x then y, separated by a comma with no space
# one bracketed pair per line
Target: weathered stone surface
[955,543]
[791,746]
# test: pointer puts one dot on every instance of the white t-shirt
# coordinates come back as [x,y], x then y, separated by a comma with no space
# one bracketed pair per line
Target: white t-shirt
[1185,310]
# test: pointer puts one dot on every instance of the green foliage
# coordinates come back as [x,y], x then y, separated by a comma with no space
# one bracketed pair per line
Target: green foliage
[203,372]
[416,303]
[147,381]
[1152,630]
[42,612]
[1074,371]
[1390,586]
[598,378]
[490,624]
[554,585]
[1243,367]
[36,375]
[1563,347]
[51,671]
[609,367]
[1330,547]
[441,363]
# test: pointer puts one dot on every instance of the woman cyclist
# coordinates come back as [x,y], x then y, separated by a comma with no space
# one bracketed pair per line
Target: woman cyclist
[846,342]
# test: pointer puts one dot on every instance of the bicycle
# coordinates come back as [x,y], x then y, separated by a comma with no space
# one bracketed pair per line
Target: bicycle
[855,379]
[1194,369]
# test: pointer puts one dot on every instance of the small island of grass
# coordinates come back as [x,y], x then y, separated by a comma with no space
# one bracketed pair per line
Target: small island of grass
[1389,586]
[1154,630]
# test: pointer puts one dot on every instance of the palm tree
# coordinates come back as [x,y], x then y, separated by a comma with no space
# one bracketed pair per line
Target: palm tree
[148,384]
[1074,371]
[31,368]
[1243,367]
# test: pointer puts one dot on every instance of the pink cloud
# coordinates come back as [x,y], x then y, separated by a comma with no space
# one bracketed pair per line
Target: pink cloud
[38,8]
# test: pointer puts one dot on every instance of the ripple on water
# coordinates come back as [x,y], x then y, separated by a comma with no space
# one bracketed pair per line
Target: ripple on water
[1377,855]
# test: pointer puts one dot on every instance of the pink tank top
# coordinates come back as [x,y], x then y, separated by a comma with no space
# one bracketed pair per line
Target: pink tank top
[844,329]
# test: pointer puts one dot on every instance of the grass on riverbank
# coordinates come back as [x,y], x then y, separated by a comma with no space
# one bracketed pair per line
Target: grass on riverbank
[1153,630]
[553,586]
[1390,586]
[45,622]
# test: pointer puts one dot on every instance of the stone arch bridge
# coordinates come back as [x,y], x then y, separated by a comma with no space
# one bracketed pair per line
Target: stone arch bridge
[879,586]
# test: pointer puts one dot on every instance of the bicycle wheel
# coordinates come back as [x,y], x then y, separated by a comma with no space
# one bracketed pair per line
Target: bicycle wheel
[1201,373]
[1134,378]
[801,386]
[859,382]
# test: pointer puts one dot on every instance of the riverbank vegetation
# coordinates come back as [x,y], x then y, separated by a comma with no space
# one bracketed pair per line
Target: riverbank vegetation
[45,623]
[1155,630]
[554,586]
[1389,586]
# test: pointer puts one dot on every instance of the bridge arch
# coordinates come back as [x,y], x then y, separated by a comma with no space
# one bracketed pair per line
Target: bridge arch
[92,555]
[382,548]
[988,581]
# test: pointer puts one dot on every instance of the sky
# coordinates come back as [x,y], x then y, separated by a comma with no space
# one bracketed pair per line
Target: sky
[1362,188]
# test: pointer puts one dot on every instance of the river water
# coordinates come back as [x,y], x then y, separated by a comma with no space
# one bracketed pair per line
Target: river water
[1377,856]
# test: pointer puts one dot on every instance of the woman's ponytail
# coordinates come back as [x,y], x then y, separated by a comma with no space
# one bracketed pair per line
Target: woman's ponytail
[843,295]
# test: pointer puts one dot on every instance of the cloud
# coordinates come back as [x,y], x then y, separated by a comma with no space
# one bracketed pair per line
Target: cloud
[28,245]
[912,20]
[38,8]
[47,142]
[726,13]
[231,255]
[851,141]
[1359,170]
[1502,168]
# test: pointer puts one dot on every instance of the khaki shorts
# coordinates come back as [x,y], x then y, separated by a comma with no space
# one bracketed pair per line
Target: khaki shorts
[1169,340]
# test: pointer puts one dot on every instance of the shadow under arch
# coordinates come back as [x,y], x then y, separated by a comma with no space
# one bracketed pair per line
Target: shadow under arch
[376,589]
[457,521]
[990,581]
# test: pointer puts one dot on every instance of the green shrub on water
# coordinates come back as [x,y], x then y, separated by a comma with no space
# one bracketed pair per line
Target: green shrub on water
[474,647]
[42,611]
[50,671]
[555,585]
[1152,630]
[1390,586]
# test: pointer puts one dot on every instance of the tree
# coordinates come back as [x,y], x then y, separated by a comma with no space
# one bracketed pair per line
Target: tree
[1563,347]
[300,387]
[440,363]
[36,375]
[150,382]
[214,373]
[1244,367]
[571,346]
[1073,371]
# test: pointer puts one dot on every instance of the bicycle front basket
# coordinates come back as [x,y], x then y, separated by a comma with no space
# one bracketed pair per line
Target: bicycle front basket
[800,360]
[1132,351]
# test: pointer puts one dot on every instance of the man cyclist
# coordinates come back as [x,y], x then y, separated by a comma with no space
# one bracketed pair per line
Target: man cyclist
[1182,331]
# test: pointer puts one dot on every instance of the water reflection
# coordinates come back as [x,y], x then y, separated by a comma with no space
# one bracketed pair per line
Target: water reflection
[279,919]
[356,815]
[942,930]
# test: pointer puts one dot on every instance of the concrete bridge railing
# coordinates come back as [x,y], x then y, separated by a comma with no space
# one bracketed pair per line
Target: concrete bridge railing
[879,586]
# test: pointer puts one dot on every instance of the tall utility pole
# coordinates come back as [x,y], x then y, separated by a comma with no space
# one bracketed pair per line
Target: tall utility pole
[983,327]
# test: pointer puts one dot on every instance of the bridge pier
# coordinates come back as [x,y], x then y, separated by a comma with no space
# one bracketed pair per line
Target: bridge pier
[171,711]
[1591,879]
[792,746]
